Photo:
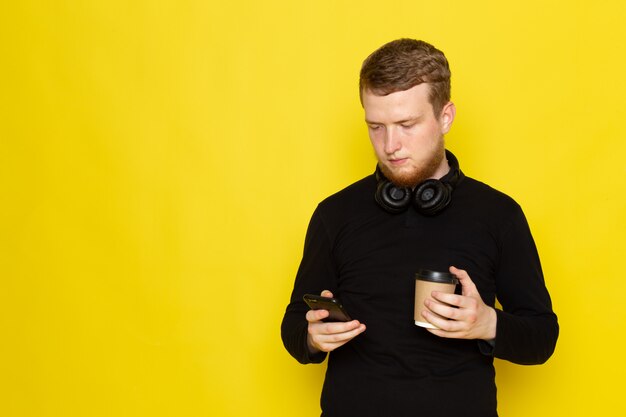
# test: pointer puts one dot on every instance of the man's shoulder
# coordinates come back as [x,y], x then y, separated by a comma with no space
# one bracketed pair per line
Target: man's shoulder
[352,203]
[485,189]
[351,196]
[486,198]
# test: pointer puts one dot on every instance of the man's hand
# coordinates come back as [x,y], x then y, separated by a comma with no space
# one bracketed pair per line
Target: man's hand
[463,316]
[328,336]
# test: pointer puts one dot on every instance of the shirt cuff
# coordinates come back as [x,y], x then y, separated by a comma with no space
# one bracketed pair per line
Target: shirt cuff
[487,347]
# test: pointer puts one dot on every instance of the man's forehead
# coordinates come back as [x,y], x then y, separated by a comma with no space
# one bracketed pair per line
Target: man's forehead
[398,106]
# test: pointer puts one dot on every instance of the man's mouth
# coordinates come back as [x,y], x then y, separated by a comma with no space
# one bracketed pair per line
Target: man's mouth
[398,161]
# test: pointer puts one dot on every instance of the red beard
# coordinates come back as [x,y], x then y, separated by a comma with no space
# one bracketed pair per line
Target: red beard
[420,174]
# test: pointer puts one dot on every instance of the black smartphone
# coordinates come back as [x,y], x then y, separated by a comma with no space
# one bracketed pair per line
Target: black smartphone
[334,307]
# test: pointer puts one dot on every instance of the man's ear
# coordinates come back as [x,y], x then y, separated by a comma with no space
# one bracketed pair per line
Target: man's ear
[447,116]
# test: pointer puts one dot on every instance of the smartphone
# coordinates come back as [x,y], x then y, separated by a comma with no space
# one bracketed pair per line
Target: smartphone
[334,307]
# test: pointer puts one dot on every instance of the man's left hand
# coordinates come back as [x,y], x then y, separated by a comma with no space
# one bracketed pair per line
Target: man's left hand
[463,316]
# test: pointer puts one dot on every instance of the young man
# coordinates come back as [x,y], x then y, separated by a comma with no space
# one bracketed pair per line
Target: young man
[417,211]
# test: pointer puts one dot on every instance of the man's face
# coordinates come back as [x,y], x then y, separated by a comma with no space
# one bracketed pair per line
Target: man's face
[406,136]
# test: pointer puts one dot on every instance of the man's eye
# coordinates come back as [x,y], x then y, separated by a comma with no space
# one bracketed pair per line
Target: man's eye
[406,126]
[374,127]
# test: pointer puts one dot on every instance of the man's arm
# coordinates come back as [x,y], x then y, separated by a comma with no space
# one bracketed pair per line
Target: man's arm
[526,330]
[527,327]
[305,336]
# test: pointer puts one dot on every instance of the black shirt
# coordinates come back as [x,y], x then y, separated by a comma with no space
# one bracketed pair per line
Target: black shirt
[368,258]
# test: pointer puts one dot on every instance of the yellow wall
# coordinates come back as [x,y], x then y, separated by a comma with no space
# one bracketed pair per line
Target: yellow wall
[160,160]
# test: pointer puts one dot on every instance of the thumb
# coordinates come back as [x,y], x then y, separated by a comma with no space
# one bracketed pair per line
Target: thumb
[467,285]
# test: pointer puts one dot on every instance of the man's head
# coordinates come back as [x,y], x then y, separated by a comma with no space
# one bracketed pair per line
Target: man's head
[405,63]
[405,92]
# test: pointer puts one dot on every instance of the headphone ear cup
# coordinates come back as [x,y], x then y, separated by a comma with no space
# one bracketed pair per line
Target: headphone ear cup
[391,198]
[432,196]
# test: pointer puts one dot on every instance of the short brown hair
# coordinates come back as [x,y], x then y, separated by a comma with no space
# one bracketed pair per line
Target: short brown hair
[403,64]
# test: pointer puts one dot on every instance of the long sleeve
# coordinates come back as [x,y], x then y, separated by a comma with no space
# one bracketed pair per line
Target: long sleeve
[316,273]
[527,328]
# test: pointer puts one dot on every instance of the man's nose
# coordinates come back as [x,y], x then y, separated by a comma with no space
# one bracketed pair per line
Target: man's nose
[392,144]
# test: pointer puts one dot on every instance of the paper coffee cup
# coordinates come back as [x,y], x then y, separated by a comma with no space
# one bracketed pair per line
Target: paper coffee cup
[425,283]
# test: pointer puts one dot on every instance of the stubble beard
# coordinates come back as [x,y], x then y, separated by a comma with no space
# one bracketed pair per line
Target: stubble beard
[419,174]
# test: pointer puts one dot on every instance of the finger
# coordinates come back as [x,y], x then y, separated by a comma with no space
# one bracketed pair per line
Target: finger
[329,336]
[447,334]
[443,309]
[331,328]
[346,332]
[326,293]
[313,316]
[467,285]
[455,300]
[445,298]
[446,327]
[328,342]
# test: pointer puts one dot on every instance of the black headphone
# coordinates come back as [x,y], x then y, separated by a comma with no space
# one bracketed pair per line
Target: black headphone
[429,197]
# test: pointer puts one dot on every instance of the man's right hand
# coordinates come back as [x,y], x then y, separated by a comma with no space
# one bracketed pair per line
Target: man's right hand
[328,336]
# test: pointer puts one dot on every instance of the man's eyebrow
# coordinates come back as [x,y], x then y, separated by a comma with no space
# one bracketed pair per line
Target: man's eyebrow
[410,119]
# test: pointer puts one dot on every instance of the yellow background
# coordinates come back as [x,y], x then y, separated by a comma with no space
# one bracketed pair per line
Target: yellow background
[160,160]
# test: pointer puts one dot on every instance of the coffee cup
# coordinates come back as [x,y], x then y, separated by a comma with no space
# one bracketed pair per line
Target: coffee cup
[426,282]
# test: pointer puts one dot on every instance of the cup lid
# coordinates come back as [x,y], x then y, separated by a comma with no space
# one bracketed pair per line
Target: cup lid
[436,276]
